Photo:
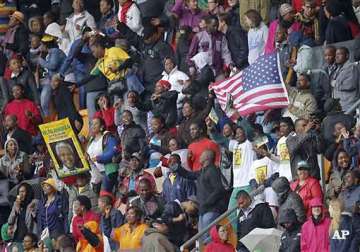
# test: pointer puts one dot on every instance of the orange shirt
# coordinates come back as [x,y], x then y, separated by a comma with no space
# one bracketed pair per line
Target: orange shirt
[129,239]
[197,148]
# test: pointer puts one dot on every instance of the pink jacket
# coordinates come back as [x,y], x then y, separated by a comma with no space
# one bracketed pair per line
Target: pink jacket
[315,238]
[270,43]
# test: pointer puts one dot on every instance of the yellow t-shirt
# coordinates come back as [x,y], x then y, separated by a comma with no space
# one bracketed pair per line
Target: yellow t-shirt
[114,56]
[128,239]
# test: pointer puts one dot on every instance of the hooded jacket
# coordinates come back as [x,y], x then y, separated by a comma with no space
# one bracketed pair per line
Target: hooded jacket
[345,243]
[290,239]
[153,240]
[315,237]
[217,244]
[288,199]
[133,139]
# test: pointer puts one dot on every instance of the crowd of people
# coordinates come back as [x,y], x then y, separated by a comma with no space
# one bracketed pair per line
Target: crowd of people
[165,158]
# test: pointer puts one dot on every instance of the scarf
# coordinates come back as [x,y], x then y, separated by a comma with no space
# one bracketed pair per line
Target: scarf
[124,9]
[310,25]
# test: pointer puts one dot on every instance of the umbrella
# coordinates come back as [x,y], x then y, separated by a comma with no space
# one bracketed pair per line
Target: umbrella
[263,239]
[35,184]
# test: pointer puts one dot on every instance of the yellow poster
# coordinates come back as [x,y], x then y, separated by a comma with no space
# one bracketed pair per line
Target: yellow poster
[237,158]
[260,174]
[284,153]
[64,148]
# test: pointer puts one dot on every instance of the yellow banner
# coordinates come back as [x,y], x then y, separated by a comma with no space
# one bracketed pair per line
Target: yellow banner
[64,148]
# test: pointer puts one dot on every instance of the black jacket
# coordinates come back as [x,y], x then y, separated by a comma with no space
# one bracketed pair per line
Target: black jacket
[238,46]
[327,125]
[260,216]
[24,140]
[27,80]
[20,44]
[337,30]
[153,56]
[234,15]
[133,139]
[290,239]
[209,188]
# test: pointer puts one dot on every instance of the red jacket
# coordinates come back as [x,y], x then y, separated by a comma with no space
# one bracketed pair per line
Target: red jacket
[108,117]
[18,108]
[297,4]
[311,189]
[315,238]
[216,245]
[197,148]
[143,174]
[81,220]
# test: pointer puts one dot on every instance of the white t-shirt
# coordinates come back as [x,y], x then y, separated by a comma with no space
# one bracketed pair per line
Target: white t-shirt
[283,153]
[243,157]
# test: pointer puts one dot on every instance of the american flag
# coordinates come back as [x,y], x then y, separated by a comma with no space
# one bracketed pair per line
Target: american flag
[258,87]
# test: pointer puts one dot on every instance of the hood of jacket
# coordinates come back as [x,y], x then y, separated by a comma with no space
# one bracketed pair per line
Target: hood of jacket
[281,185]
[214,234]
[7,142]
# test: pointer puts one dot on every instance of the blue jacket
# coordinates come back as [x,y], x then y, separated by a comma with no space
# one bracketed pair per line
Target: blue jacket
[350,196]
[53,61]
[345,243]
[180,190]
[115,220]
[109,149]
[54,217]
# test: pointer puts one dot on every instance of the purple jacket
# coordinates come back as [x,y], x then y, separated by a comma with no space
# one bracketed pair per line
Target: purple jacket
[216,43]
[186,16]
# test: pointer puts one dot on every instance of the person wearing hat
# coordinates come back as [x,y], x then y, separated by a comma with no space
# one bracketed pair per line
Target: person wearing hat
[16,35]
[306,186]
[315,231]
[287,20]
[51,60]
[290,238]
[52,210]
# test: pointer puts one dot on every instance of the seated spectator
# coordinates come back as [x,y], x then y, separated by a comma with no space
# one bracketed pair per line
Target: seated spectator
[306,186]
[174,186]
[188,13]
[151,204]
[22,137]
[14,165]
[129,236]
[344,79]
[288,199]
[337,29]
[130,15]
[107,22]
[351,189]
[219,237]
[290,238]
[105,111]
[22,216]
[214,8]
[23,76]
[315,231]
[302,102]
[257,34]
[40,158]
[30,242]
[35,25]
[26,111]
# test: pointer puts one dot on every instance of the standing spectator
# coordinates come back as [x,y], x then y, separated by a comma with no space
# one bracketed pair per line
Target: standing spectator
[302,102]
[22,137]
[7,9]
[305,144]
[315,231]
[214,43]
[156,238]
[290,238]
[345,79]
[51,61]
[306,186]
[130,15]
[237,41]
[26,111]
[107,22]
[129,236]
[351,189]
[78,20]
[199,144]
[22,217]
[219,237]
[257,34]
[176,187]
[188,13]
[214,8]
[233,12]
[309,21]
[52,210]
[261,6]
[105,111]
[341,224]
[337,29]
[210,190]
[15,36]
[289,199]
